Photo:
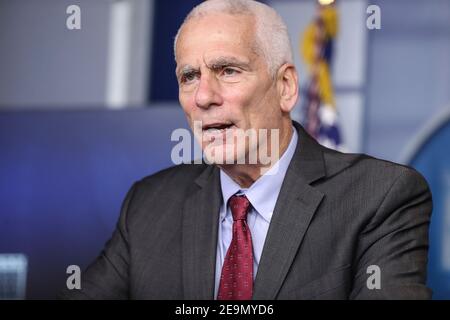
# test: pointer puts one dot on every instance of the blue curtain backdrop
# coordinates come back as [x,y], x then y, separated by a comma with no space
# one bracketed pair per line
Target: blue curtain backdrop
[168,16]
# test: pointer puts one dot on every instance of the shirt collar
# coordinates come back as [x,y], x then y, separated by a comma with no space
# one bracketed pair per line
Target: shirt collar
[263,193]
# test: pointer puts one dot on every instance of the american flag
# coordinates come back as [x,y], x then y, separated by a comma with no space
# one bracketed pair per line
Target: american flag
[320,113]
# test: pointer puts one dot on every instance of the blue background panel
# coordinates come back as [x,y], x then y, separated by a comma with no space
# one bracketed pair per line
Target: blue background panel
[433,161]
[63,177]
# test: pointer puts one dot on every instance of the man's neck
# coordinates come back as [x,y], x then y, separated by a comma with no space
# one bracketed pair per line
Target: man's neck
[246,174]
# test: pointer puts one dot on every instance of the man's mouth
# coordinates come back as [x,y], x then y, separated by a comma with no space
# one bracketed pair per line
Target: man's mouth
[221,126]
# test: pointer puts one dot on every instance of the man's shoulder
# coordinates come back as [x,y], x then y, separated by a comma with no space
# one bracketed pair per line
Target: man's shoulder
[178,176]
[354,166]
[371,168]
[168,186]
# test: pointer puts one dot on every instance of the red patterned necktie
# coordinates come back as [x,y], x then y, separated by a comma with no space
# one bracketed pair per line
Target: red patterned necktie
[236,280]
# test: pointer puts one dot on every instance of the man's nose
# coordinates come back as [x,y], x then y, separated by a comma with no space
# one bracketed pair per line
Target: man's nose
[208,92]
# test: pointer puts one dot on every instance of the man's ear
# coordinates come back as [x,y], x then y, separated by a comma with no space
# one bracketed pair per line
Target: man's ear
[287,84]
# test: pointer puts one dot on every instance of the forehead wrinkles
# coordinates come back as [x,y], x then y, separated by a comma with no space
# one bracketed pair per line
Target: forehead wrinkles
[237,31]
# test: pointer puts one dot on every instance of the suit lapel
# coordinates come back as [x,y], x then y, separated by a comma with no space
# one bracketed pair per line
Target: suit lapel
[199,238]
[294,210]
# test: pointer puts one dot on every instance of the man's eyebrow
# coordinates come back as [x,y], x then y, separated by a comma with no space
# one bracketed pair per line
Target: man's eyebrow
[215,63]
[185,70]
[228,61]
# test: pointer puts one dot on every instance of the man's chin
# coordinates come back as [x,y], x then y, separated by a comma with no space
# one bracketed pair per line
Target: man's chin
[223,155]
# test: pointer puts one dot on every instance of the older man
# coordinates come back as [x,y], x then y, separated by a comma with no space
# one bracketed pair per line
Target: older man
[311,224]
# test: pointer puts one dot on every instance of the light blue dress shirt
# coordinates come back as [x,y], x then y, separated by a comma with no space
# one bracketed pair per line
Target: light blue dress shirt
[263,195]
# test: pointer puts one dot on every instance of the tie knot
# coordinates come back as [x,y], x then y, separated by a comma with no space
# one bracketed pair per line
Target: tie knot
[239,206]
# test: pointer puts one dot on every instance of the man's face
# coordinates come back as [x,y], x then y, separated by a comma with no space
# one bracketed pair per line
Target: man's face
[223,81]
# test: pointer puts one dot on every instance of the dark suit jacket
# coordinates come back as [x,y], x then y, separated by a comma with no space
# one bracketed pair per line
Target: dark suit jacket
[336,214]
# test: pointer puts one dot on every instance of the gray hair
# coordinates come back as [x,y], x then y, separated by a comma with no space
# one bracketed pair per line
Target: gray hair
[272,38]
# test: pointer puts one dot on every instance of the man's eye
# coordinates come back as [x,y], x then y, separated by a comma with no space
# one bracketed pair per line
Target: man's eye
[188,77]
[229,71]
